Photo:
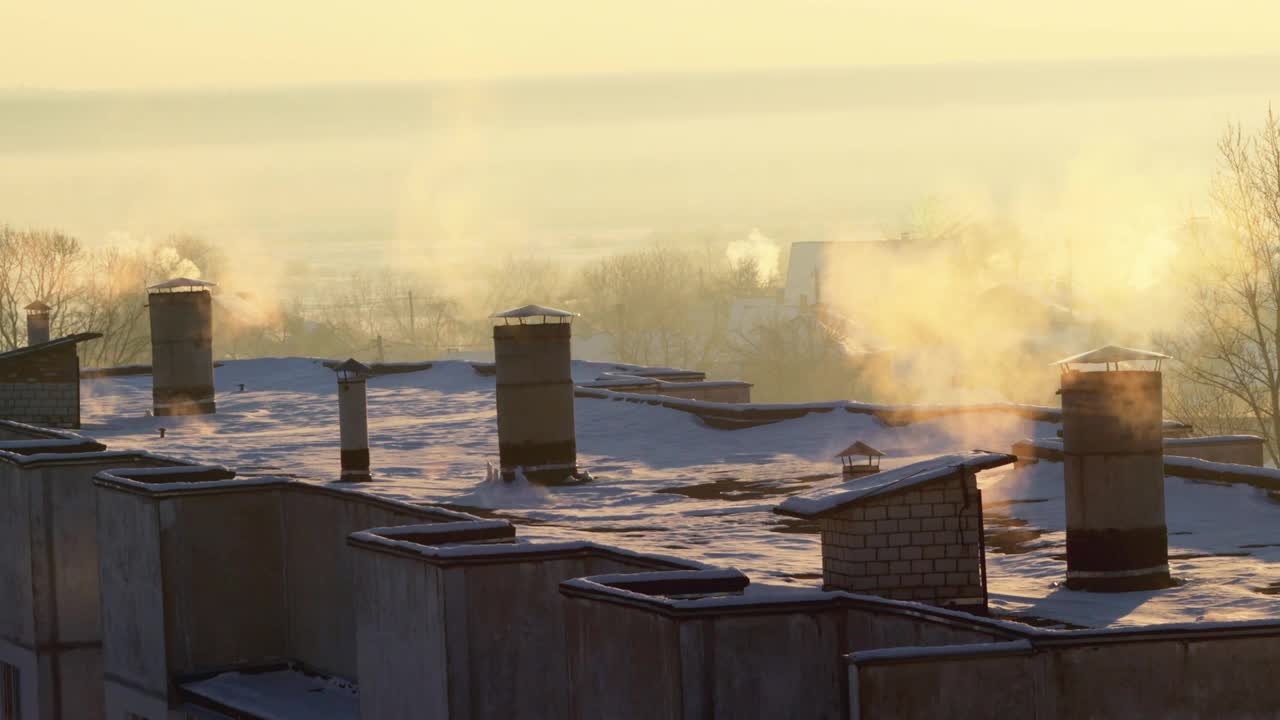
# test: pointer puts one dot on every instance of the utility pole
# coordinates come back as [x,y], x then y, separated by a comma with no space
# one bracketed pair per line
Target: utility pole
[381,356]
[413,326]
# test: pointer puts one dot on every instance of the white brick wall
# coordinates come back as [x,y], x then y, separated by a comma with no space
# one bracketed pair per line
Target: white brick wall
[918,545]
[46,404]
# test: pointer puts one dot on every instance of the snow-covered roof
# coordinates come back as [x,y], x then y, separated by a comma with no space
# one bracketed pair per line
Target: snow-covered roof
[888,482]
[283,692]
[37,306]
[50,345]
[534,311]
[1112,354]
[667,482]
[178,283]
[1213,440]
[859,448]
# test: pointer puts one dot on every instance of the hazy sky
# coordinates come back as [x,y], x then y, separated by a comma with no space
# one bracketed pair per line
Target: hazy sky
[166,43]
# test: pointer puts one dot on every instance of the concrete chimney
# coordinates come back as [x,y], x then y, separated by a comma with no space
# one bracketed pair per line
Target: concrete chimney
[1112,437]
[37,323]
[182,347]
[535,394]
[353,420]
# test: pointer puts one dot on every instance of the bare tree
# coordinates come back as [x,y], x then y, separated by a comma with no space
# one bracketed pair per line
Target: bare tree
[658,305]
[36,265]
[1232,333]
[801,357]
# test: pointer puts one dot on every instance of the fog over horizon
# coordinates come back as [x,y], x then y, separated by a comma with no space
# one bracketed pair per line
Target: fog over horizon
[1069,180]
[579,166]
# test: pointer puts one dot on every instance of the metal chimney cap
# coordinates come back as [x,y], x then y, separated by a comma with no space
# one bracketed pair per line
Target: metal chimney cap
[859,448]
[353,368]
[181,284]
[532,311]
[1108,354]
[37,307]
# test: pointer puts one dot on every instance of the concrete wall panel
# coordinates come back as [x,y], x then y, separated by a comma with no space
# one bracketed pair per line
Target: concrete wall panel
[1245,452]
[623,663]
[69,498]
[131,585]
[224,590]
[1209,673]
[996,687]
[515,639]
[17,613]
[404,671]
[319,573]
[775,666]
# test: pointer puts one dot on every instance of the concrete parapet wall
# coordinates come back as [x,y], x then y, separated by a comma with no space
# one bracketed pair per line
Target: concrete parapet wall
[15,431]
[769,652]
[208,572]
[49,573]
[470,630]
[738,415]
[1219,670]
[1234,449]
[1174,465]
[723,391]
[319,568]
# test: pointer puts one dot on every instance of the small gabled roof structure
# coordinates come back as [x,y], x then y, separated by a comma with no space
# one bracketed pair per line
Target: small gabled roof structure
[181,285]
[1112,354]
[859,449]
[37,307]
[352,369]
[889,482]
[46,346]
[534,311]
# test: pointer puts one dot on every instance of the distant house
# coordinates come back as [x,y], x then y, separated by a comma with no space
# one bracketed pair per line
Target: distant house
[40,384]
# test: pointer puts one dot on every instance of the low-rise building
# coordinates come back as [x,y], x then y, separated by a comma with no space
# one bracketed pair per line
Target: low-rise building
[40,384]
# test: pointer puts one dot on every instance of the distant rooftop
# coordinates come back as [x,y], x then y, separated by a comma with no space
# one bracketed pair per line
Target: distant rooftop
[181,284]
[1111,354]
[37,307]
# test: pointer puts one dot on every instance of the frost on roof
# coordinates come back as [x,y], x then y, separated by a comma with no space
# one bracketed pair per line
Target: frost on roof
[889,481]
[534,311]
[1112,354]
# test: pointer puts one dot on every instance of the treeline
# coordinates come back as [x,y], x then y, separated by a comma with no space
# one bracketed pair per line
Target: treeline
[101,290]
[662,304]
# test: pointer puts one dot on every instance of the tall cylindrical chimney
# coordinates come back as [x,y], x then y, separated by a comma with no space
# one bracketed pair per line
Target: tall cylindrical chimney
[182,347]
[1112,423]
[37,323]
[532,356]
[353,420]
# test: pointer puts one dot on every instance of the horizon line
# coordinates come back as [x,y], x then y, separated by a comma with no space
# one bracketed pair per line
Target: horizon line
[517,80]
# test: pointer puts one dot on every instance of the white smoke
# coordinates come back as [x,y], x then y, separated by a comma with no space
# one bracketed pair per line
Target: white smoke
[759,247]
